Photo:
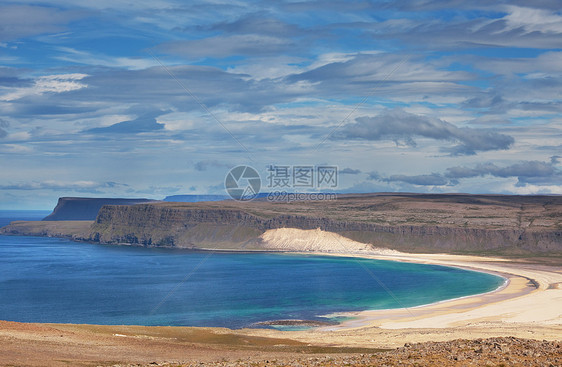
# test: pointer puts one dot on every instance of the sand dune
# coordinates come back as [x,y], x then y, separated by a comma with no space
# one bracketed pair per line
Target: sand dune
[316,240]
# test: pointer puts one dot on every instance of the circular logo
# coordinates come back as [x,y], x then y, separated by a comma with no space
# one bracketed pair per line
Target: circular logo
[242,183]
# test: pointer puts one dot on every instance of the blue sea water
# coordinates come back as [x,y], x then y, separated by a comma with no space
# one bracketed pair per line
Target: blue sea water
[7,216]
[56,280]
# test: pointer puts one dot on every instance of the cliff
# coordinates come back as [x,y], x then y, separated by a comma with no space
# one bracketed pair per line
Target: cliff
[69,208]
[451,223]
[416,223]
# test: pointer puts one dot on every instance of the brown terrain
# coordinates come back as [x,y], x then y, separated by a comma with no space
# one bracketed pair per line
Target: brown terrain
[87,345]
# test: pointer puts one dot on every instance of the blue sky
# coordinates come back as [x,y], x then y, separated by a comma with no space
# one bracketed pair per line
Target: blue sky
[162,97]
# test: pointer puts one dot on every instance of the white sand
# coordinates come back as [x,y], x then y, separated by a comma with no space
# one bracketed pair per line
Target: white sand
[316,240]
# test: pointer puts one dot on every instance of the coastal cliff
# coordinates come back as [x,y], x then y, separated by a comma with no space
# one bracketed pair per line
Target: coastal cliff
[495,225]
[71,208]
[452,223]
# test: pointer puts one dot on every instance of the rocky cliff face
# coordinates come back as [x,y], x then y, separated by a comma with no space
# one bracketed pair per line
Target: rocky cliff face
[69,208]
[151,225]
[155,225]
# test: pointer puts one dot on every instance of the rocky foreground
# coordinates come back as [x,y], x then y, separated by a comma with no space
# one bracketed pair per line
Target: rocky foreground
[507,351]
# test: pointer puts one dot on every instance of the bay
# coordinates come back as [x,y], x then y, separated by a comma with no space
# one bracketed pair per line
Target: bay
[56,280]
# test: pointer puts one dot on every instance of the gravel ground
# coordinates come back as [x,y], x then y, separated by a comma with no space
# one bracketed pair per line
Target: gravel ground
[479,352]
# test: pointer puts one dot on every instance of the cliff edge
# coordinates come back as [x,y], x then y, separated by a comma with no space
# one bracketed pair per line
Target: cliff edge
[483,224]
[496,225]
[73,208]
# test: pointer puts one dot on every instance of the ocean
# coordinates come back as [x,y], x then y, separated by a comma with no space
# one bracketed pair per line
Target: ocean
[60,281]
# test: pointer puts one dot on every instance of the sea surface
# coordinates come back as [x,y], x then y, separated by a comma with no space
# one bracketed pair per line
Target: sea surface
[56,280]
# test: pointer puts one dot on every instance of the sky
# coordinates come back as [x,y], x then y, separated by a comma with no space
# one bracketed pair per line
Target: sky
[162,97]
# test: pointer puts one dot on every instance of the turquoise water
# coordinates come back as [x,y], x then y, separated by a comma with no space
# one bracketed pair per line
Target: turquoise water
[55,280]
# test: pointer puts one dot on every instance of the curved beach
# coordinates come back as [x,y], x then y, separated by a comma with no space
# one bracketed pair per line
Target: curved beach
[529,305]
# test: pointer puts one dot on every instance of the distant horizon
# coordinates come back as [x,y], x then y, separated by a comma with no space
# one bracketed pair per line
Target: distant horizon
[50,209]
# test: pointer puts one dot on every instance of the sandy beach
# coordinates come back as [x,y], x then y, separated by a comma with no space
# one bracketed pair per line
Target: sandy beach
[532,293]
[529,305]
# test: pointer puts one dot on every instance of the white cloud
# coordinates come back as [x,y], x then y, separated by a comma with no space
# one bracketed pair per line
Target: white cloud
[533,20]
[23,21]
[547,64]
[227,46]
[58,83]
[88,58]
[512,187]
[61,185]
[19,136]
[178,121]
[15,148]
[269,67]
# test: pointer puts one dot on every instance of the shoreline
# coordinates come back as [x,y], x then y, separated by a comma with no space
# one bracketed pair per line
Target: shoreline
[355,315]
[529,306]
[374,256]
[526,300]
[364,317]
